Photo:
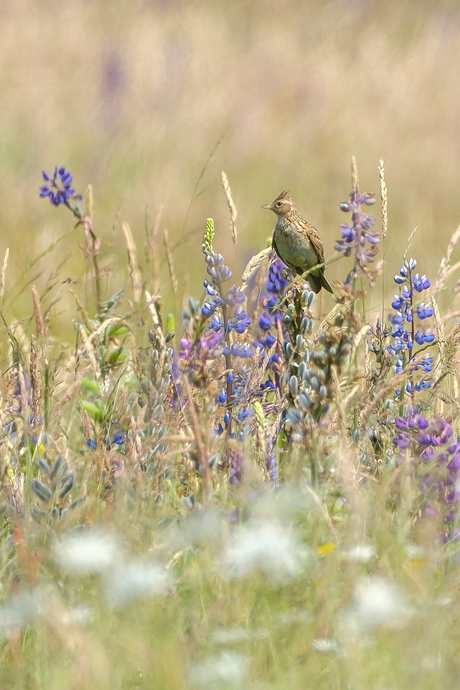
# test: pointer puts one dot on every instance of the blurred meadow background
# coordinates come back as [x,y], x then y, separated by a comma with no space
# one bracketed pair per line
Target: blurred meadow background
[262,503]
[139,98]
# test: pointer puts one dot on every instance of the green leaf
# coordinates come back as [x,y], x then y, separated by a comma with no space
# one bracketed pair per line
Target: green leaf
[94,411]
[116,330]
[90,385]
[118,355]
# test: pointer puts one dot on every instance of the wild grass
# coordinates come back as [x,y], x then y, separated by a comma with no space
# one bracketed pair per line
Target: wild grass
[252,496]
[270,501]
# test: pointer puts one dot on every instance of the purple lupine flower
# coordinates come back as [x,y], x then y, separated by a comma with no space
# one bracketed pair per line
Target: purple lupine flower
[276,286]
[436,461]
[217,268]
[358,237]
[404,333]
[59,188]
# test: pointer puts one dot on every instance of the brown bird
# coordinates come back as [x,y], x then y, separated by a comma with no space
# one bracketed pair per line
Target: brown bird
[297,243]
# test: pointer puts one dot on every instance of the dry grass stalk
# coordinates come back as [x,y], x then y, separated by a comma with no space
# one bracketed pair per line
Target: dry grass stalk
[341,416]
[23,388]
[331,318]
[351,395]
[3,278]
[197,429]
[384,198]
[134,445]
[153,303]
[39,325]
[35,379]
[69,393]
[169,259]
[152,257]
[445,269]
[254,263]
[354,174]
[136,276]
[231,207]
[89,201]
[439,329]
[357,340]
[81,310]
[90,352]
[367,369]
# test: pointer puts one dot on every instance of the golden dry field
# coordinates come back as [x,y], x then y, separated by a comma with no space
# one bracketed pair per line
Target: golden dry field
[149,100]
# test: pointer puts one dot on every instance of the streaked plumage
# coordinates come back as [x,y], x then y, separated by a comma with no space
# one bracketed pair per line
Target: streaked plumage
[297,243]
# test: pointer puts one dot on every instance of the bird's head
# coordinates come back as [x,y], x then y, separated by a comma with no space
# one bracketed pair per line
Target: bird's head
[282,206]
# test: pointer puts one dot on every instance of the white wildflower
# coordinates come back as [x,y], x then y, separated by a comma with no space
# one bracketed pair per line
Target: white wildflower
[228,670]
[361,553]
[136,580]
[90,551]
[268,548]
[379,603]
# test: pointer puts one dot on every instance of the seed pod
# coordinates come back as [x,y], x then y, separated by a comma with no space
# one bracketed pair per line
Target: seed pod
[294,385]
[41,490]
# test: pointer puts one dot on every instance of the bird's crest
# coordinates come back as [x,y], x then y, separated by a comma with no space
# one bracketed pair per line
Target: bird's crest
[283,195]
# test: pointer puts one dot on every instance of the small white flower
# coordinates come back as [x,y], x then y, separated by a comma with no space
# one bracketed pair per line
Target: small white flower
[20,611]
[326,645]
[90,551]
[379,603]
[228,670]
[361,553]
[269,548]
[136,580]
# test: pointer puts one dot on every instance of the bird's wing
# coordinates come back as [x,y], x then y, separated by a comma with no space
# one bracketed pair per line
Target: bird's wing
[317,244]
[276,248]
[294,269]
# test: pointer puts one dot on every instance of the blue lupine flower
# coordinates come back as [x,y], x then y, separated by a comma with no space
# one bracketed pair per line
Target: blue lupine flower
[405,336]
[209,288]
[421,283]
[355,235]
[425,311]
[59,189]
[436,459]
[208,309]
[245,351]
[265,321]
[119,438]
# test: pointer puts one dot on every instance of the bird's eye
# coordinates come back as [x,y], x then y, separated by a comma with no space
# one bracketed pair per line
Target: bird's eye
[279,203]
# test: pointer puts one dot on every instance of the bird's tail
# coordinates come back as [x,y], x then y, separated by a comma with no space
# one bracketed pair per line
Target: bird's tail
[319,281]
[325,283]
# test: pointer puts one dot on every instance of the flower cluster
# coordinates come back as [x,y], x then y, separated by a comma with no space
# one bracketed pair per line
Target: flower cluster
[269,318]
[196,353]
[59,188]
[117,440]
[405,332]
[357,235]
[226,308]
[438,454]
[215,330]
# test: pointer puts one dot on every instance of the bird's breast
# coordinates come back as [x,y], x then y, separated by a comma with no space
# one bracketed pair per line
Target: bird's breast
[294,246]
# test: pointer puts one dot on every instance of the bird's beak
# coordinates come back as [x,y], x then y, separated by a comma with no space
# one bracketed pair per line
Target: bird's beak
[269,206]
